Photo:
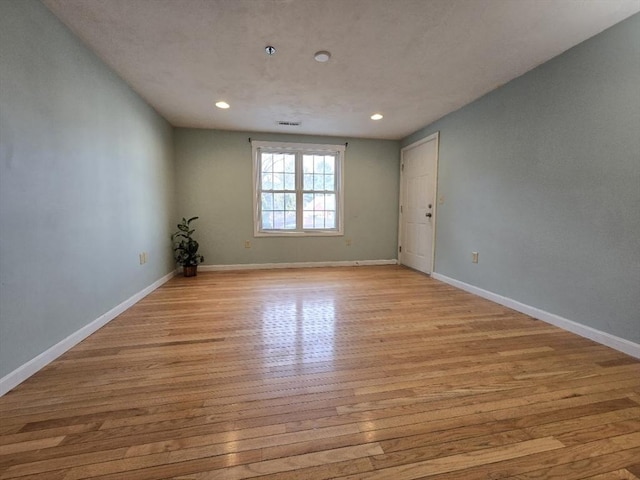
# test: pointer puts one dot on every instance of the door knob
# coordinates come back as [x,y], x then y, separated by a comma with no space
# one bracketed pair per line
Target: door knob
[428,215]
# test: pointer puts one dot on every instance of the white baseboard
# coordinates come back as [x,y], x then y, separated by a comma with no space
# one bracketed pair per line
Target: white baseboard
[23,372]
[617,343]
[267,266]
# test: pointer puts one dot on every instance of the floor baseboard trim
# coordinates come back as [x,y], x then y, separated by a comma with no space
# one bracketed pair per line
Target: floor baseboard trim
[20,374]
[268,266]
[604,338]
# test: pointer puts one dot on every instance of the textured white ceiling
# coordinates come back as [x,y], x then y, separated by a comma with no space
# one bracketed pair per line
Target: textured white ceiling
[411,60]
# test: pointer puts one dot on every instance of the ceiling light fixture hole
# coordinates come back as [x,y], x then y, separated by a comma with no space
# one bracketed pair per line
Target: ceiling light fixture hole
[270,50]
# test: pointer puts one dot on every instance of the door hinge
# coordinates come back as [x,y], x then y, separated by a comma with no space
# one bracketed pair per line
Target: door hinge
[400,249]
[402,167]
[400,208]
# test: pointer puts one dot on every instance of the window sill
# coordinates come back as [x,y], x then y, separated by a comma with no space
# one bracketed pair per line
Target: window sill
[298,234]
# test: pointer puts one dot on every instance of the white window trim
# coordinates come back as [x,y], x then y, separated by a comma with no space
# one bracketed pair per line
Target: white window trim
[297,147]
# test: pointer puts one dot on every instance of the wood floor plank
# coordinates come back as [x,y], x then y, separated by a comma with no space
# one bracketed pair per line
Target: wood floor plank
[446,449]
[324,472]
[586,459]
[461,461]
[595,465]
[573,425]
[622,474]
[287,464]
[61,463]
[125,465]
[12,448]
[544,412]
[344,373]
[586,435]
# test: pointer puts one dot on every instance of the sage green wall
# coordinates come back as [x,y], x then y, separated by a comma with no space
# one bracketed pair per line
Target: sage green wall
[542,178]
[86,183]
[214,178]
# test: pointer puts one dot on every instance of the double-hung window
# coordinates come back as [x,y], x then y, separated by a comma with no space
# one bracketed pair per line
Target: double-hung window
[297,189]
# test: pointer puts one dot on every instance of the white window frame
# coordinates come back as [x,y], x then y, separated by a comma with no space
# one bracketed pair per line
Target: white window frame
[298,149]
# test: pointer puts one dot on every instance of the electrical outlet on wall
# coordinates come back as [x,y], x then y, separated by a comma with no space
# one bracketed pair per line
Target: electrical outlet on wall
[247,244]
[474,257]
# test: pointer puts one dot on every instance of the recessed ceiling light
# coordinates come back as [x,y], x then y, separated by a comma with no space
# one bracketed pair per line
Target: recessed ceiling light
[322,56]
[270,50]
[222,105]
[376,116]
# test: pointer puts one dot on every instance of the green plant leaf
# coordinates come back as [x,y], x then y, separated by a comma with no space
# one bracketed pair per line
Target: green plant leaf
[185,248]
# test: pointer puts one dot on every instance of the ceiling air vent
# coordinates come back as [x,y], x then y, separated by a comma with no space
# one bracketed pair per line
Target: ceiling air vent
[288,124]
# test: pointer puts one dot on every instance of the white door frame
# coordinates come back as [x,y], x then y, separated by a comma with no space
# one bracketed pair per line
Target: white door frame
[429,138]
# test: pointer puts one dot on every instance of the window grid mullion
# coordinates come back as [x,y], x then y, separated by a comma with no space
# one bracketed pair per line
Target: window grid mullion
[299,178]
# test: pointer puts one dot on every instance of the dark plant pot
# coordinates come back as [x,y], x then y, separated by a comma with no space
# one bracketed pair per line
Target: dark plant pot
[190,270]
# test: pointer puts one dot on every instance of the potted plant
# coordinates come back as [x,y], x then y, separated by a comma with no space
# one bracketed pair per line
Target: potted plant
[185,248]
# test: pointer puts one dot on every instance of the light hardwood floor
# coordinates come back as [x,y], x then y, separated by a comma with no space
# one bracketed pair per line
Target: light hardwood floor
[350,373]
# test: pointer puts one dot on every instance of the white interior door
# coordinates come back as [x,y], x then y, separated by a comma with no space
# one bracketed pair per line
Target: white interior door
[417,204]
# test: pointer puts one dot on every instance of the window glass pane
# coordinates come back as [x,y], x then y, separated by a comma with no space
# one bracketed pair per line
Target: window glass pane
[278,220]
[307,219]
[278,163]
[267,162]
[267,201]
[289,181]
[330,220]
[318,202]
[267,181]
[267,220]
[290,220]
[318,164]
[290,163]
[308,181]
[307,163]
[330,201]
[278,201]
[329,182]
[278,181]
[307,201]
[329,164]
[290,202]
[318,182]
[318,220]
